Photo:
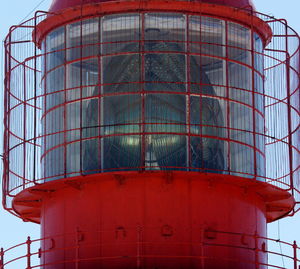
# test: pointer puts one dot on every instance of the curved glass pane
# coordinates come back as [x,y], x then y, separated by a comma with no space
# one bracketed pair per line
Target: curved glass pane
[182,95]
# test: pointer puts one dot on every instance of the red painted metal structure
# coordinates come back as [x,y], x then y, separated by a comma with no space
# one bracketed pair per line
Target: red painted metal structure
[151,134]
[58,5]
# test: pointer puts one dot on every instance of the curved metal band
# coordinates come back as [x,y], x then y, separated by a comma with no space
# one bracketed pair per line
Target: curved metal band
[241,16]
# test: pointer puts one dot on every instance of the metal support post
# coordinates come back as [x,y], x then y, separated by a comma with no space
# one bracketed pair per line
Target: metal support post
[1,258]
[28,242]
[295,255]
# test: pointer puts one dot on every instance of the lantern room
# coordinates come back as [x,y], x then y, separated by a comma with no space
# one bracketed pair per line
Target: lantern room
[153,91]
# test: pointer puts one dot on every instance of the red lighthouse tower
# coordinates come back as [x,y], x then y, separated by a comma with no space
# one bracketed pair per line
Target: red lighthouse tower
[152,134]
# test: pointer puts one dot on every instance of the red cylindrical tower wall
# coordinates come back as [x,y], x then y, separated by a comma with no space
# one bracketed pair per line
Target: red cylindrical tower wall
[151,220]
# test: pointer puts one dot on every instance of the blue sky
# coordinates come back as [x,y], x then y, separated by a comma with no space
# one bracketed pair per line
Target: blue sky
[13,230]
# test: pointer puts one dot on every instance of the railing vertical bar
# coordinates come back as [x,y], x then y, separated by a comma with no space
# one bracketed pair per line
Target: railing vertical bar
[289,96]
[2,258]
[28,242]
[35,102]
[295,247]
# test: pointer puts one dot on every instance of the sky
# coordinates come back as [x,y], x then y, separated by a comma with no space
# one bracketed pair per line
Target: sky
[12,229]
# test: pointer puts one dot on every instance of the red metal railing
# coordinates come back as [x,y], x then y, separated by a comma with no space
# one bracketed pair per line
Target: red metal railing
[30,255]
[27,142]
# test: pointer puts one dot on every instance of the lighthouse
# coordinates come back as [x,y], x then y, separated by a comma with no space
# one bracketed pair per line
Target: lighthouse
[151,134]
